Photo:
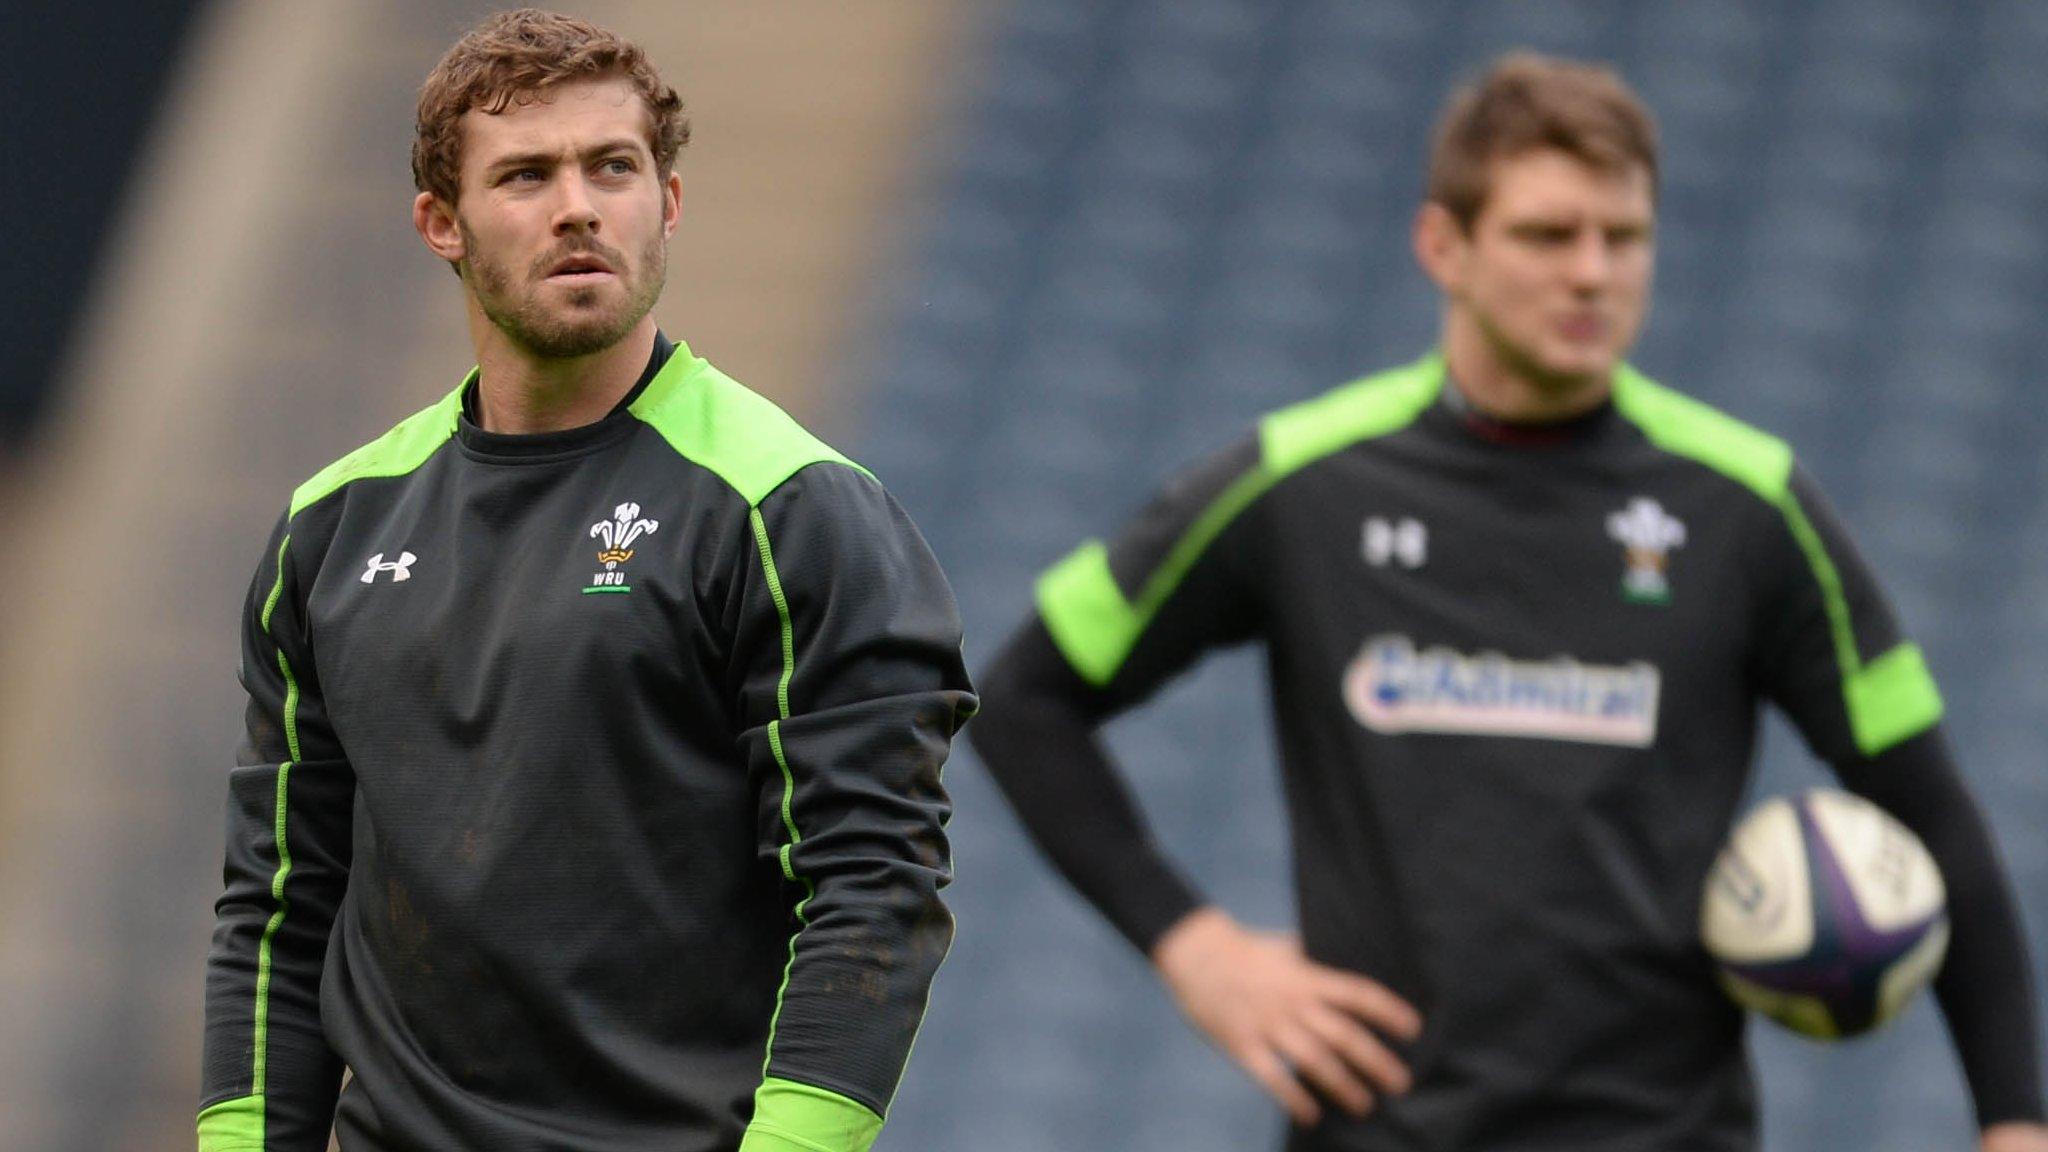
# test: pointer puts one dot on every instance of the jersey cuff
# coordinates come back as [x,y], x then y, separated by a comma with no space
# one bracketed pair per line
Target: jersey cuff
[232,1126]
[792,1117]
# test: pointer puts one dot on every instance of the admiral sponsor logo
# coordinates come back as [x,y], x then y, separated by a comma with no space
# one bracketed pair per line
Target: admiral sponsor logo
[1394,689]
[617,535]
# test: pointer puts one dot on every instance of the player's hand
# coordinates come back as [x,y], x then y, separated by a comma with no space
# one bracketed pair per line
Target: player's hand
[2014,1138]
[1287,1020]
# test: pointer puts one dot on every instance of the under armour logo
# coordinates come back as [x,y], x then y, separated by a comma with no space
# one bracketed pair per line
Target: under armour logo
[400,569]
[1387,541]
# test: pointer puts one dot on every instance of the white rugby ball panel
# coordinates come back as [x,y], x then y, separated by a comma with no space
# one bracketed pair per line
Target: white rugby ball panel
[1759,907]
[1893,878]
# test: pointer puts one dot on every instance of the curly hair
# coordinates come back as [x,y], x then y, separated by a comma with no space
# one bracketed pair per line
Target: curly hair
[1527,102]
[516,58]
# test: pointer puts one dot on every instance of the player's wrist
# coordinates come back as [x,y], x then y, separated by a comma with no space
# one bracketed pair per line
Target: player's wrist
[1191,938]
[2014,1136]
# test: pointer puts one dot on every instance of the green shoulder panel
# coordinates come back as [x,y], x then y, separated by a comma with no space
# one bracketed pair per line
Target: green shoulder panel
[1889,699]
[395,453]
[1685,427]
[715,421]
[1300,434]
[1087,614]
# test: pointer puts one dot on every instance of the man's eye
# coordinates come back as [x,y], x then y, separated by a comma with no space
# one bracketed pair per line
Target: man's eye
[619,166]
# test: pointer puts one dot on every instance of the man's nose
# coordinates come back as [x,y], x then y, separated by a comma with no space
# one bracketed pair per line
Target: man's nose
[1592,260]
[577,211]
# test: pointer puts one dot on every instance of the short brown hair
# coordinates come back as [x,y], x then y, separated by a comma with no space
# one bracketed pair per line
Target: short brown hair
[1527,102]
[515,58]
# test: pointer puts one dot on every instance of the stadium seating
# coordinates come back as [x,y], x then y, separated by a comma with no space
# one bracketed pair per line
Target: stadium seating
[1155,219]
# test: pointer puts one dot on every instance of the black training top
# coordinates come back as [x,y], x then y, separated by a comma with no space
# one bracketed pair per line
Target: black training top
[1515,675]
[590,798]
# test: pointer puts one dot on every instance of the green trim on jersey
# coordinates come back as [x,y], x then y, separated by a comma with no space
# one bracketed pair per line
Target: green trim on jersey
[788,777]
[1301,434]
[291,683]
[1892,699]
[1078,598]
[260,1040]
[792,1117]
[232,1126]
[1889,700]
[395,453]
[1685,427]
[715,421]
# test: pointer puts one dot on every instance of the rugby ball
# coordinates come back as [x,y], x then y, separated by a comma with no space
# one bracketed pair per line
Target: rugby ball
[1824,914]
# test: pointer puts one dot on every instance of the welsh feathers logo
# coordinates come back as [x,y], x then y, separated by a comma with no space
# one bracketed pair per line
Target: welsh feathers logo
[617,535]
[1648,534]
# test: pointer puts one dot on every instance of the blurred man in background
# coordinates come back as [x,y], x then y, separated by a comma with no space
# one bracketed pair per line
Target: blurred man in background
[590,796]
[1499,893]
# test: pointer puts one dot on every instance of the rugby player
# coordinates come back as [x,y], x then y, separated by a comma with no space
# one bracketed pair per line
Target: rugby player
[590,796]
[1519,605]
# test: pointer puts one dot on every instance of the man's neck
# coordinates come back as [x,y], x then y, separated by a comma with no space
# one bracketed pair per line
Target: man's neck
[519,393]
[1497,388]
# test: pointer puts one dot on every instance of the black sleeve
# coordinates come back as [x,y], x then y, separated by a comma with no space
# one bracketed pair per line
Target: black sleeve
[1835,659]
[269,1079]
[1114,623]
[1984,987]
[852,688]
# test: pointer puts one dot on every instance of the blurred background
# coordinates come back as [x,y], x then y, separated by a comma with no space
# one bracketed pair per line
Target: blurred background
[1022,257]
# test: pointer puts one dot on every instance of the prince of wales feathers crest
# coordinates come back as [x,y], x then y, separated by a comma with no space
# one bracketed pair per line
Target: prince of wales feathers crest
[617,535]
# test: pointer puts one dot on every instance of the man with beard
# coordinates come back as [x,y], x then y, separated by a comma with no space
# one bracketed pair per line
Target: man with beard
[590,795]
[1520,607]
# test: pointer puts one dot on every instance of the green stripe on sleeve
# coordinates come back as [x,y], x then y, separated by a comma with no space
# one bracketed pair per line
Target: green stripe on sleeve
[1892,699]
[1832,599]
[782,761]
[792,1117]
[1090,619]
[232,1126]
[260,1040]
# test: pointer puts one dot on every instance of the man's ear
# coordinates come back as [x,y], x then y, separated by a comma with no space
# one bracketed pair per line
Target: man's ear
[671,204]
[1440,242]
[434,219]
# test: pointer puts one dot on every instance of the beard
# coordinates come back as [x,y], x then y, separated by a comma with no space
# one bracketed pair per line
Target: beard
[582,323]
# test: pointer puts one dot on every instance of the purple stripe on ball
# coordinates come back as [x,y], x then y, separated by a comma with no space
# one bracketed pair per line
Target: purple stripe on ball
[1848,959]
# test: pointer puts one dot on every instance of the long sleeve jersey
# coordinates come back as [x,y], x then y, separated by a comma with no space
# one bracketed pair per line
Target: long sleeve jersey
[590,798]
[1516,680]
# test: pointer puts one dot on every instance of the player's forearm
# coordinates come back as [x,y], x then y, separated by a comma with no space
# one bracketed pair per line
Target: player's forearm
[1038,739]
[856,987]
[866,860]
[1985,990]
[861,814]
